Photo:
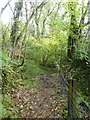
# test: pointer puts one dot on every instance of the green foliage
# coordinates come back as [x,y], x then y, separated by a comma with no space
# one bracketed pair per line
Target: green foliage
[7,80]
[9,109]
[29,72]
[48,51]
[32,68]
[79,99]
[4,59]
[82,50]
[65,114]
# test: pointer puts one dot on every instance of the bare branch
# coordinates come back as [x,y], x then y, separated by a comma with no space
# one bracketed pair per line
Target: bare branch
[11,8]
[27,22]
[81,24]
[5,7]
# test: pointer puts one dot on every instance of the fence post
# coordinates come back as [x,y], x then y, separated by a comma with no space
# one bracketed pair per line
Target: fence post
[74,89]
[71,99]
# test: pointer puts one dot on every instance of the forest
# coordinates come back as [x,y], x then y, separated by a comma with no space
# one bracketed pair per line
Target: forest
[45,59]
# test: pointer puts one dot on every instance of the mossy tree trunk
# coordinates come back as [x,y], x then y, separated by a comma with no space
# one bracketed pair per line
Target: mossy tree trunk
[89,54]
[15,27]
[72,40]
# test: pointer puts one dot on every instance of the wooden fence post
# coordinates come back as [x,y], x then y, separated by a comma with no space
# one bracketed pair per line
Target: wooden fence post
[71,99]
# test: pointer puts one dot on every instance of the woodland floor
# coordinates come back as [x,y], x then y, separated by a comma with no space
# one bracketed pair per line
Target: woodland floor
[47,100]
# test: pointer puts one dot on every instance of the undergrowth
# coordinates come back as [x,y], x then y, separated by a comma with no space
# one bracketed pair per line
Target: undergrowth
[30,72]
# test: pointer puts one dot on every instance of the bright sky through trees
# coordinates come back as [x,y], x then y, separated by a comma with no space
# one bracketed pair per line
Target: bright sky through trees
[8,14]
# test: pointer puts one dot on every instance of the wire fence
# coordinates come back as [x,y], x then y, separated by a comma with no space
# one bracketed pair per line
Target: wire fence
[74,111]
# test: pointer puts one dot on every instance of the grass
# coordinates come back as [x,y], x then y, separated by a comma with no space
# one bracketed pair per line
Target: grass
[29,73]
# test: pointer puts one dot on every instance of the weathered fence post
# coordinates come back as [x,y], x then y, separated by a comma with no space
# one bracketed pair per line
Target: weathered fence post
[71,99]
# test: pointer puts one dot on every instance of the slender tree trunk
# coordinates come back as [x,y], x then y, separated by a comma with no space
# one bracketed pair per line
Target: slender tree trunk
[14,40]
[89,55]
[89,28]
[72,39]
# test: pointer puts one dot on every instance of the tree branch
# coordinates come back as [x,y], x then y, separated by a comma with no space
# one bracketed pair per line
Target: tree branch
[5,7]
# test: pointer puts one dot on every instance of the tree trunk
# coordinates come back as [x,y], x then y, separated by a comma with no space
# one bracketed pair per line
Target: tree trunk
[72,39]
[89,55]
[14,40]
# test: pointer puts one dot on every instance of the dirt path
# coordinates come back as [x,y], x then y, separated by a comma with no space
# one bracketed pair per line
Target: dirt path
[46,101]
